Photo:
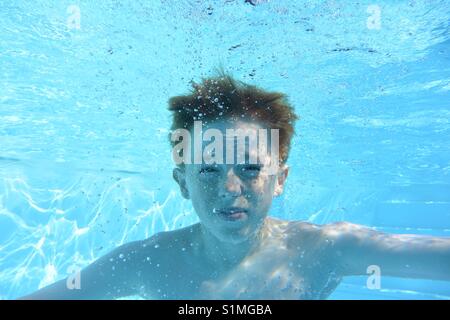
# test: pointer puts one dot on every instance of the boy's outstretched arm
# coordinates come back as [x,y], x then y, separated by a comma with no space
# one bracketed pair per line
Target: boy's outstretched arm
[399,255]
[109,277]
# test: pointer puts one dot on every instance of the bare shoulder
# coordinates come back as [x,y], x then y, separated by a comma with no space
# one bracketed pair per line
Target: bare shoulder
[169,246]
[343,227]
[171,239]
[305,230]
[300,235]
[336,233]
[345,232]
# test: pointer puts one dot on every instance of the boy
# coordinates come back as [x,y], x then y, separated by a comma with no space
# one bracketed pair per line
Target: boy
[236,251]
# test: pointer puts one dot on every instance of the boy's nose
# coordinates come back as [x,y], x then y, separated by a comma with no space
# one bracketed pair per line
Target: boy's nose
[232,186]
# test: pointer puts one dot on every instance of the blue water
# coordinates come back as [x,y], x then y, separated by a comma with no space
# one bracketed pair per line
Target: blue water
[84,160]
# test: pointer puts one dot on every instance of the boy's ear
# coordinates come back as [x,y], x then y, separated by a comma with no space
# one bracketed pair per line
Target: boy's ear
[179,176]
[281,179]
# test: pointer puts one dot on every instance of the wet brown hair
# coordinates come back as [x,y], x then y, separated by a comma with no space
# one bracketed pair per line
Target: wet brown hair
[222,97]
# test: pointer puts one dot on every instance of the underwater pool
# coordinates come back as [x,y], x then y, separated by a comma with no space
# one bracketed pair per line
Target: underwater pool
[85,163]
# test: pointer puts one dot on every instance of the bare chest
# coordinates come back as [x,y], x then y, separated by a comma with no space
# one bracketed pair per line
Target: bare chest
[272,273]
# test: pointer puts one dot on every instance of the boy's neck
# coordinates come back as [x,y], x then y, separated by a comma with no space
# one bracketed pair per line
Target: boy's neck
[222,255]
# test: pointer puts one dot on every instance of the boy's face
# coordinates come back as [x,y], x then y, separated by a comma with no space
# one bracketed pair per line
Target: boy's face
[232,199]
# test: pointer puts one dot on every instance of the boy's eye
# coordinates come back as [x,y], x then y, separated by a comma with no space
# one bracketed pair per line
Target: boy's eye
[211,169]
[251,169]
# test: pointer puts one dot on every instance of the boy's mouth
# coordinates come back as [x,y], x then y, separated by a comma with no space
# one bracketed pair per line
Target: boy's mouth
[232,213]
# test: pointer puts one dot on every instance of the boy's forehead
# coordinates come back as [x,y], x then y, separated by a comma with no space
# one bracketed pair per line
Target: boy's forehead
[230,129]
[232,148]
[234,123]
[240,141]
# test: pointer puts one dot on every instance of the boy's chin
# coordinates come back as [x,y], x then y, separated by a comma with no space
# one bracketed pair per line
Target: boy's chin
[235,235]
